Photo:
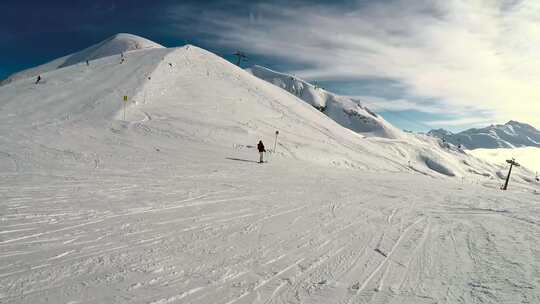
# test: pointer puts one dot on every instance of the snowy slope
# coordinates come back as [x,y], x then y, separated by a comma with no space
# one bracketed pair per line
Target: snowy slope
[189,94]
[510,135]
[185,93]
[194,95]
[167,204]
[117,44]
[423,154]
[344,110]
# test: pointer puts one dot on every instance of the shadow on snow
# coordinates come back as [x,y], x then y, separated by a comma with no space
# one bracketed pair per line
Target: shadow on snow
[242,160]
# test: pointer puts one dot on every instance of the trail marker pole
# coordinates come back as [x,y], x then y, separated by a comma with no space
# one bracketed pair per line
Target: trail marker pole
[125,102]
[512,163]
[275,141]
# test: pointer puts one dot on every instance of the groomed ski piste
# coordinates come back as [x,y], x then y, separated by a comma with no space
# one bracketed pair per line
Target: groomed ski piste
[160,199]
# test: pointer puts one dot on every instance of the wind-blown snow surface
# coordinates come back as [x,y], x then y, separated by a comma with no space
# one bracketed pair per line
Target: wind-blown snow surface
[211,230]
[168,205]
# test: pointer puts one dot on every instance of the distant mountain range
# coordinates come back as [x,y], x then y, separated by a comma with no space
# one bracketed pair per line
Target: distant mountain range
[509,135]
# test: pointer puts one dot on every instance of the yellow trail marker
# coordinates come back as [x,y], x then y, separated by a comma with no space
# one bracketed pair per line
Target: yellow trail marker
[125,101]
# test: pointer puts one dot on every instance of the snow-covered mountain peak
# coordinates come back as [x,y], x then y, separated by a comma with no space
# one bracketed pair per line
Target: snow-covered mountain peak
[440,133]
[117,44]
[516,125]
[114,45]
[509,135]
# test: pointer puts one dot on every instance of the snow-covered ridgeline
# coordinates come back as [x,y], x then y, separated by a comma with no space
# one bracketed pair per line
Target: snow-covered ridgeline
[346,111]
[509,135]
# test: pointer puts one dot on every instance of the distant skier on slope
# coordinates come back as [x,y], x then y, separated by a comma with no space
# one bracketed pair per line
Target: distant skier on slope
[260,147]
[38,79]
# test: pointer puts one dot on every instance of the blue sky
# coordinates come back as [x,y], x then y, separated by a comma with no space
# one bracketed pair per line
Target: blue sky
[421,64]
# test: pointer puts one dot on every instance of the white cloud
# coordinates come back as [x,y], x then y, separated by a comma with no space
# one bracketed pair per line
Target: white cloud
[527,156]
[384,104]
[464,121]
[476,54]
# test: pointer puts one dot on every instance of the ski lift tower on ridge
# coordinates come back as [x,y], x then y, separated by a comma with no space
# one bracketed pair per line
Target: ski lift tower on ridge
[512,163]
[240,57]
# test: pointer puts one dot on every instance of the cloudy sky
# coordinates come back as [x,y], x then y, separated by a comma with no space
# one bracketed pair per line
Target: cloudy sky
[422,64]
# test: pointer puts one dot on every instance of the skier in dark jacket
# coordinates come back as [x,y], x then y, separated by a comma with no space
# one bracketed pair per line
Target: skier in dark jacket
[260,147]
[38,79]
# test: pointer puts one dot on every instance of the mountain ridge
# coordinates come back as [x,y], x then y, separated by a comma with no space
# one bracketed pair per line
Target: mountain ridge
[116,44]
[512,134]
[348,112]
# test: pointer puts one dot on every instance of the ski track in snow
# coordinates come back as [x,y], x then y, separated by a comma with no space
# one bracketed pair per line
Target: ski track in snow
[258,245]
